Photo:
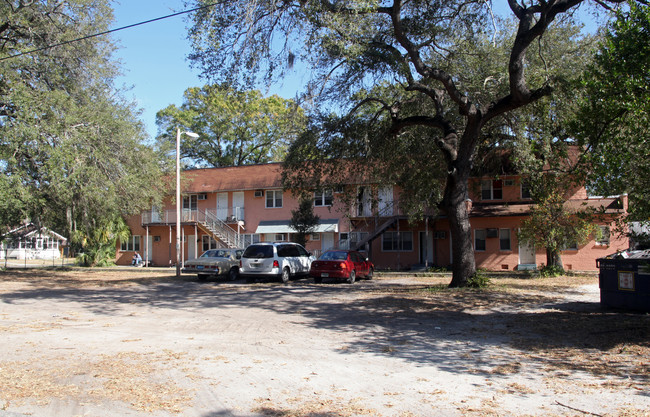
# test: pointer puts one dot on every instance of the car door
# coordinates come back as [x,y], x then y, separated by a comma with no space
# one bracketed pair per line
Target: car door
[305,259]
[359,263]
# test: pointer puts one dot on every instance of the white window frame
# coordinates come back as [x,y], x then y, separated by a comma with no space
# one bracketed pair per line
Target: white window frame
[132,245]
[323,198]
[604,240]
[208,243]
[276,201]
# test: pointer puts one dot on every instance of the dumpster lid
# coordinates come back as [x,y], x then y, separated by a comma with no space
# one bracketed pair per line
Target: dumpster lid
[630,254]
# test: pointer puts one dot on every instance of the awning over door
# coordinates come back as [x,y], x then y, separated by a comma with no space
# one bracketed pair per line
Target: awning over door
[282,226]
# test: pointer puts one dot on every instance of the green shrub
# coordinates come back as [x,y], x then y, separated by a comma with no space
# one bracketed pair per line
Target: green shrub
[479,280]
[550,271]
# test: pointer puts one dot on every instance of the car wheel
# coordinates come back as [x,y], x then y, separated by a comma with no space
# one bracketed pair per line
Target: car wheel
[286,274]
[202,277]
[352,277]
[233,274]
[370,272]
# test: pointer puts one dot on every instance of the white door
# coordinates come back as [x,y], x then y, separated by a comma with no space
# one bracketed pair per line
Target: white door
[385,202]
[150,248]
[222,206]
[238,205]
[327,241]
[191,244]
[526,254]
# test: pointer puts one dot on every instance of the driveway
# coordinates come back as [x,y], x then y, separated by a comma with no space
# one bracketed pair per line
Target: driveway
[142,343]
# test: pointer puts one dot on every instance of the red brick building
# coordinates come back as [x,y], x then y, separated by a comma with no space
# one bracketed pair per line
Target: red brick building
[236,206]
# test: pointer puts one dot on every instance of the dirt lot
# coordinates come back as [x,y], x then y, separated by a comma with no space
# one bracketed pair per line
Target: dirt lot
[127,342]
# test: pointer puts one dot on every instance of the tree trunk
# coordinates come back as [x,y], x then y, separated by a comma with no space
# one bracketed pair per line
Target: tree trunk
[554,258]
[457,206]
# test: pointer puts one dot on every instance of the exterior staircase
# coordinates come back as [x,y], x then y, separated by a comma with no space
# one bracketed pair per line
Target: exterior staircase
[219,230]
[373,226]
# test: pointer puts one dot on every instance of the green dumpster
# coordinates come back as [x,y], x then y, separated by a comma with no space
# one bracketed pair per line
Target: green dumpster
[624,280]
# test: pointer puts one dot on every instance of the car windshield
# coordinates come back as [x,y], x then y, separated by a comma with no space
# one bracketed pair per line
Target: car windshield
[215,254]
[258,251]
[334,256]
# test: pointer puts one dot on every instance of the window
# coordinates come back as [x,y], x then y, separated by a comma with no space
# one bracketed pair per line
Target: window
[249,238]
[323,198]
[525,190]
[208,243]
[504,239]
[274,199]
[133,244]
[397,241]
[315,236]
[279,237]
[491,190]
[479,239]
[603,239]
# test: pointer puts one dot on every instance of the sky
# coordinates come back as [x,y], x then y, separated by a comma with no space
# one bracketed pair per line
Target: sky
[154,57]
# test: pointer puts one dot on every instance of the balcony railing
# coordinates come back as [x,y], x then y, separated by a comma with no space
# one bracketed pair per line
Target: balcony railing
[229,215]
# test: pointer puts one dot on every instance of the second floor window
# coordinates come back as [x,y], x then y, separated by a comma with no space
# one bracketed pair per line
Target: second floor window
[525,191]
[491,189]
[274,198]
[322,198]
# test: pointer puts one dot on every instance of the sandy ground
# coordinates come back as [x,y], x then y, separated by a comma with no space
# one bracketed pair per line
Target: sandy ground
[143,344]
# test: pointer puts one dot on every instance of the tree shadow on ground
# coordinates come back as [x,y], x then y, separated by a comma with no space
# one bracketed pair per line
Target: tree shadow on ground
[478,332]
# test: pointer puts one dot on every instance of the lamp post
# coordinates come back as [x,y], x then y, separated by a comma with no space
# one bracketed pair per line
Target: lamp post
[178,197]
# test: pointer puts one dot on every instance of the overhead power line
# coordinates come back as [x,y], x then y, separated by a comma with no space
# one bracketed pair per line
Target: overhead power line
[107,32]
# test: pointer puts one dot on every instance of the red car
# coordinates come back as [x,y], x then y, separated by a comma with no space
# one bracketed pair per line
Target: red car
[345,264]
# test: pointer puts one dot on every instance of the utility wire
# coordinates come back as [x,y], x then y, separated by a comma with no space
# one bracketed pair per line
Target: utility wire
[108,31]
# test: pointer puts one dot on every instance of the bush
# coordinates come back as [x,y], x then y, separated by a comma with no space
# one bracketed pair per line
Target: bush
[550,271]
[479,280]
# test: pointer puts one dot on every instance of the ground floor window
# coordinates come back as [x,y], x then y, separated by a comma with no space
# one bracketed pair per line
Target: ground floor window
[208,243]
[133,244]
[479,240]
[604,236]
[397,241]
[504,239]
[249,239]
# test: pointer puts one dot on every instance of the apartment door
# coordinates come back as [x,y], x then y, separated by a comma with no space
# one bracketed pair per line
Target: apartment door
[222,206]
[364,202]
[238,205]
[385,203]
[426,248]
[327,241]
[526,254]
[190,207]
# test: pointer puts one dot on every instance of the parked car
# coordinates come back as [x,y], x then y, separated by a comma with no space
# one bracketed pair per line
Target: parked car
[276,260]
[214,263]
[341,264]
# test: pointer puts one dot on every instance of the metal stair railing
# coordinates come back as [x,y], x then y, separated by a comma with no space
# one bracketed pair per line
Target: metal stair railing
[377,224]
[220,229]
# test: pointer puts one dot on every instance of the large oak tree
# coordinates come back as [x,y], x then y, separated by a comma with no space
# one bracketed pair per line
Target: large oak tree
[419,48]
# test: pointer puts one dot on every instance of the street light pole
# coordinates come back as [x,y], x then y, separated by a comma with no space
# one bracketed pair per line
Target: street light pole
[178,197]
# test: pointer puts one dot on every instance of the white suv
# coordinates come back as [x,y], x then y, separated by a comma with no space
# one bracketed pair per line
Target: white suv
[282,260]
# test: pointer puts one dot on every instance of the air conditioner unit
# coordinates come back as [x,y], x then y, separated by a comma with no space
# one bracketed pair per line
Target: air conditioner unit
[259,193]
[156,238]
[202,196]
[509,183]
